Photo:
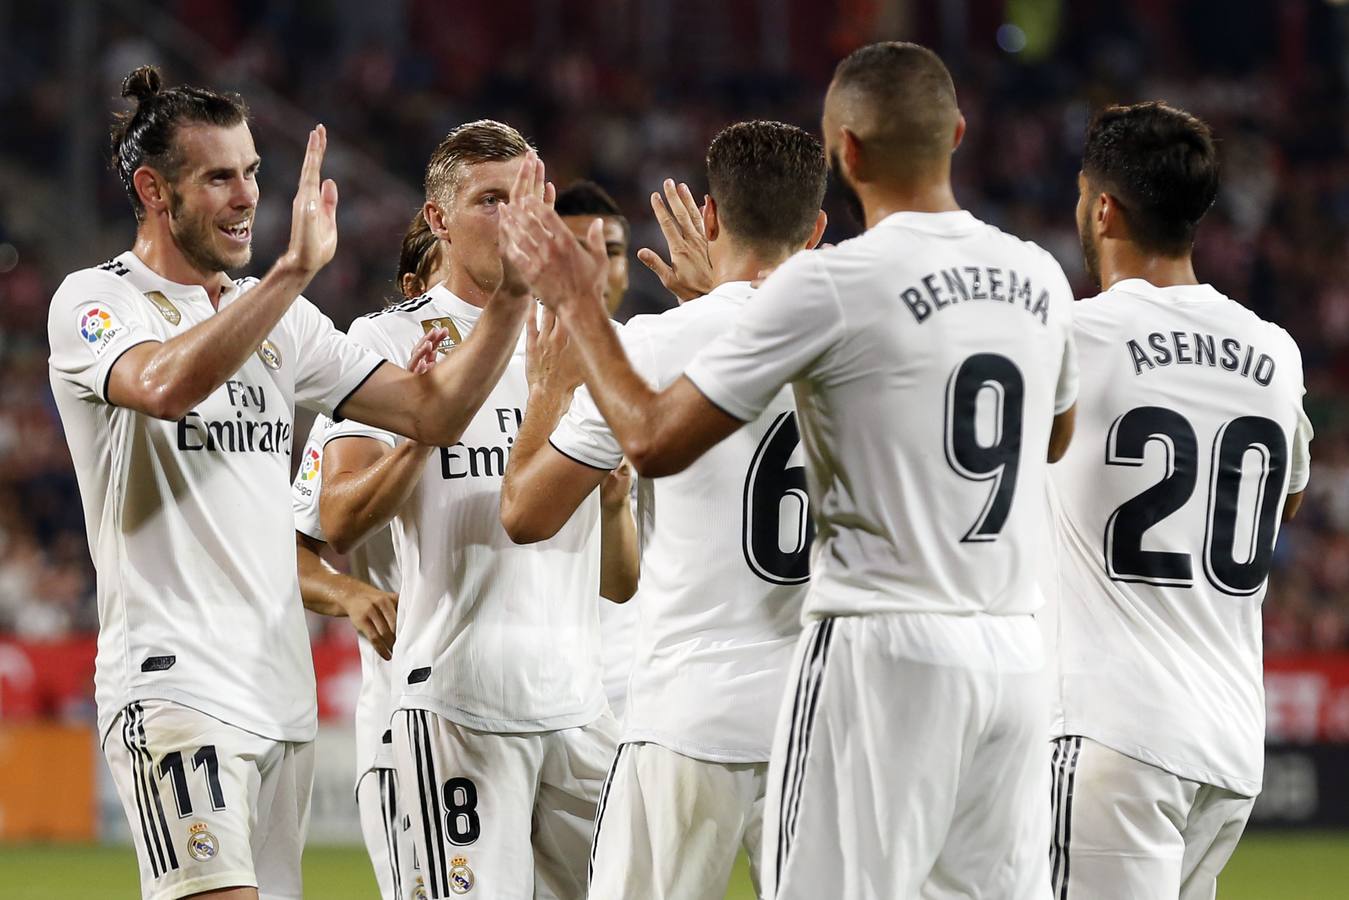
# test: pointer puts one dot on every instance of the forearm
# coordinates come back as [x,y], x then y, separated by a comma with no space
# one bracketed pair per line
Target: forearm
[356,504]
[185,369]
[620,564]
[457,388]
[321,588]
[543,410]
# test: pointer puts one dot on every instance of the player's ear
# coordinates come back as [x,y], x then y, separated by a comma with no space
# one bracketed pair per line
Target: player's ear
[711,224]
[1108,217]
[821,221]
[850,155]
[435,220]
[959,132]
[151,188]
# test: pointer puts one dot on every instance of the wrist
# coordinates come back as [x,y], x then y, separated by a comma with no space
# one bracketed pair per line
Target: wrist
[288,267]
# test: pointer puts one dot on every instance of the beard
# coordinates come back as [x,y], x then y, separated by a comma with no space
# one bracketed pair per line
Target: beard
[195,236]
[1091,256]
[853,202]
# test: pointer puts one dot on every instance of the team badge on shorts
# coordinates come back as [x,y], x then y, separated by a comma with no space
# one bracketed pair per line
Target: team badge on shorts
[201,844]
[270,356]
[461,876]
[419,891]
[165,307]
[453,340]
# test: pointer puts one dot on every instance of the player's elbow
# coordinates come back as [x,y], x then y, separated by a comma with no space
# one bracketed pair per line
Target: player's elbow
[524,525]
[164,400]
[341,530]
[653,460]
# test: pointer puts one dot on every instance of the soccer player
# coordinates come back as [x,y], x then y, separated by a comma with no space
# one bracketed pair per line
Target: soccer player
[933,371]
[721,591]
[579,204]
[176,387]
[1191,440]
[368,596]
[501,734]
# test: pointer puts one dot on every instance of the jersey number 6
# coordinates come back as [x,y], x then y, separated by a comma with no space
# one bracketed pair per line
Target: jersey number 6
[777,527]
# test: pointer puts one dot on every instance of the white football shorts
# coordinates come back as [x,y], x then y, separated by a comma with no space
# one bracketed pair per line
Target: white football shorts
[1123,828]
[908,754]
[211,805]
[501,815]
[669,826]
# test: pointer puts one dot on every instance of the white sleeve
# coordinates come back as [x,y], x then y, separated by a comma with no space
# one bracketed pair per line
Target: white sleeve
[94,318]
[1300,468]
[372,340]
[583,435]
[781,334]
[1065,394]
[304,490]
[330,366]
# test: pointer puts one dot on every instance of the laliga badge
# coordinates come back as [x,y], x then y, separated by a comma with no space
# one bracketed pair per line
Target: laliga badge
[165,307]
[201,844]
[461,876]
[270,356]
[454,339]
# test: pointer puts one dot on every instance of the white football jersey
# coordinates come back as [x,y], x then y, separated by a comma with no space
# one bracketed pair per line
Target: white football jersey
[928,356]
[188,522]
[1190,431]
[491,635]
[374,562]
[725,559]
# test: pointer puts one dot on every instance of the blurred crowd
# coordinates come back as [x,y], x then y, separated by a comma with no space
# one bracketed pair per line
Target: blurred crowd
[628,93]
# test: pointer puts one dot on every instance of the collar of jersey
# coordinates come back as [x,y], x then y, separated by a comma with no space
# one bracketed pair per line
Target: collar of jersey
[152,280]
[954,222]
[739,291]
[1141,287]
[448,302]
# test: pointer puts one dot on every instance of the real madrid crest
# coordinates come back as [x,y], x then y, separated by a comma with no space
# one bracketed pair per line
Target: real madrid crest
[269,354]
[454,339]
[165,307]
[461,876]
[419,892]
[201,844]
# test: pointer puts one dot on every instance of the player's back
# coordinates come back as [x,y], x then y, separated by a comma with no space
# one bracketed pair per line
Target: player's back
[926,413]
[725,559]
[1167,507]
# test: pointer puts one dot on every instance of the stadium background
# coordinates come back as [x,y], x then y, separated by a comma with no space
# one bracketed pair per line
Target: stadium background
[628,92]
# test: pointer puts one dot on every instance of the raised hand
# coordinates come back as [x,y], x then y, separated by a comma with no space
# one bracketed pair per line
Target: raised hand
[538,249]
[425,351]
[550,360]
[313,218]
[689,272]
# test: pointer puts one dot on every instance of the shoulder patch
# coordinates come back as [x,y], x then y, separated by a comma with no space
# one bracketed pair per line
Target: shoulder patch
[115,266]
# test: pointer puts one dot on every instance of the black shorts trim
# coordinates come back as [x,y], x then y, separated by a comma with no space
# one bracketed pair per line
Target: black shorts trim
[808,685]
[1063,776]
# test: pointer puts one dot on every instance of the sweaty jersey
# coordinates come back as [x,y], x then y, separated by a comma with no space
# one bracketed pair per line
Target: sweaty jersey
[374,562]
[928,356]
[491,635]
[1190,432]
[725,559]
[188,524]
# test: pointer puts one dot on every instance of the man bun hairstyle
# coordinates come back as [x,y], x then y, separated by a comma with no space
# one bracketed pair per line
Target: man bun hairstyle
[586,198]
[1161,164]
[145,135]
[482,141]
[768,180]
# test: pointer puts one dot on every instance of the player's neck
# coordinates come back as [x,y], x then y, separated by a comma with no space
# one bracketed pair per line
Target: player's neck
[882,201]
[161,255]
[467,288]
[740,263]
[1159,271]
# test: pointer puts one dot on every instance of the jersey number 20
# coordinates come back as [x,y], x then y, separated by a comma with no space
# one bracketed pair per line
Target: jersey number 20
[1125,558]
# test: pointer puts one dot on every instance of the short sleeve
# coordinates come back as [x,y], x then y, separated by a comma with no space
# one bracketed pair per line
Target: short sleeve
[1301,462]
[330,366]
[1065,394]
[583,434]
[789,324]
[304,490]
[372,340]
[94,319]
